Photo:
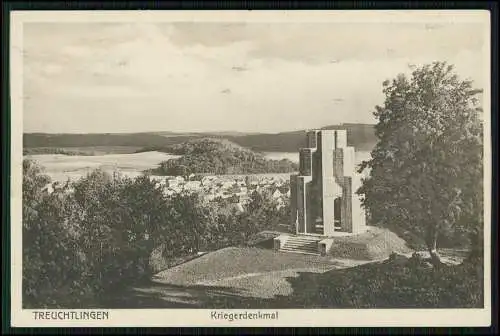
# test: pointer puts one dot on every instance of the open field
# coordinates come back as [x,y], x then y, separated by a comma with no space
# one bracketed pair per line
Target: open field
[61,167]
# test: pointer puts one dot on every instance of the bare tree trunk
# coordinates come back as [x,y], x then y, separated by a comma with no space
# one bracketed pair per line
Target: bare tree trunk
[432,246]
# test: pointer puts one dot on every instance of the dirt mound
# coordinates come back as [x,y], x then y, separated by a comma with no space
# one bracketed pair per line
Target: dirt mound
[374,244]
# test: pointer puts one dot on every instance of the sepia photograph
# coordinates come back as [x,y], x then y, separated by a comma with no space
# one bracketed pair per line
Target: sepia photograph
[258,163]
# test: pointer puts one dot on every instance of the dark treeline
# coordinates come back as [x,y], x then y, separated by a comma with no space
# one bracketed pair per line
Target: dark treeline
[91,238]
[54,150]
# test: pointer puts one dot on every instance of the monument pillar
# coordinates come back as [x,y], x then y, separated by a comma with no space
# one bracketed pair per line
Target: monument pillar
[327,173]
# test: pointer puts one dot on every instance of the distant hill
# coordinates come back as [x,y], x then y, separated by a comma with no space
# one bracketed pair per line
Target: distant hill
[219,156]
[361,136]
[206,144]
[101,139]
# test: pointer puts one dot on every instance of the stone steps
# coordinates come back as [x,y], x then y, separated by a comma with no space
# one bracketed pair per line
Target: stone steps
[305,248]
[298,251]
[301,244]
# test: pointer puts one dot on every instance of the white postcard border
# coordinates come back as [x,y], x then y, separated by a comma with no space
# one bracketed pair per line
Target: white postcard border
[202,317]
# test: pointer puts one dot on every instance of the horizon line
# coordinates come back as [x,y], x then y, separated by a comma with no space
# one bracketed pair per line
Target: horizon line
[197,132]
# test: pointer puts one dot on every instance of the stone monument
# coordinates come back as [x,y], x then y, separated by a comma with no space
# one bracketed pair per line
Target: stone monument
[323,199]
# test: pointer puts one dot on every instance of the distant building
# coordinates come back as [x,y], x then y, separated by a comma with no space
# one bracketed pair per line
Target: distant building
[277,194]
[193,185]
[231,208]
[169,192]
[251,180]
[227,185]
[49,188]
[176,189]
[207,180]
[322,195]
[172,183]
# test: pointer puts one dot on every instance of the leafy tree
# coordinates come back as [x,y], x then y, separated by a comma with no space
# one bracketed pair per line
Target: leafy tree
[426,169]
[53,263]
[264,212]
[83,241]
[185,228]
[121,221]
[34,181]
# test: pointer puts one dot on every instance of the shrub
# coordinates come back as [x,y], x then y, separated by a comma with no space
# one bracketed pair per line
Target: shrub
[391,284]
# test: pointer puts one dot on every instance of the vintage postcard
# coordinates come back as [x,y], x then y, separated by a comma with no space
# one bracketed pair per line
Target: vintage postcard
[250,168]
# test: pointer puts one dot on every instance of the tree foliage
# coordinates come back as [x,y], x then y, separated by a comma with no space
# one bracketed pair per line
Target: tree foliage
[237,228]
[85,240]
[412,283]
[53,264]
[426,169]
[215,156]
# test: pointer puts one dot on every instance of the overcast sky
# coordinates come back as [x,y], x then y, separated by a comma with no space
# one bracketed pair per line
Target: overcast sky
[95,77]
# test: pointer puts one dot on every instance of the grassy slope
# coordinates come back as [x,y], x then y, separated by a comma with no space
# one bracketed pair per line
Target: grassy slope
[375,244]
[237,278]
[232,262]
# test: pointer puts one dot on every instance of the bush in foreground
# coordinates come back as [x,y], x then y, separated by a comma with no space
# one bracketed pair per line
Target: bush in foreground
[392,284]
[90,239]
